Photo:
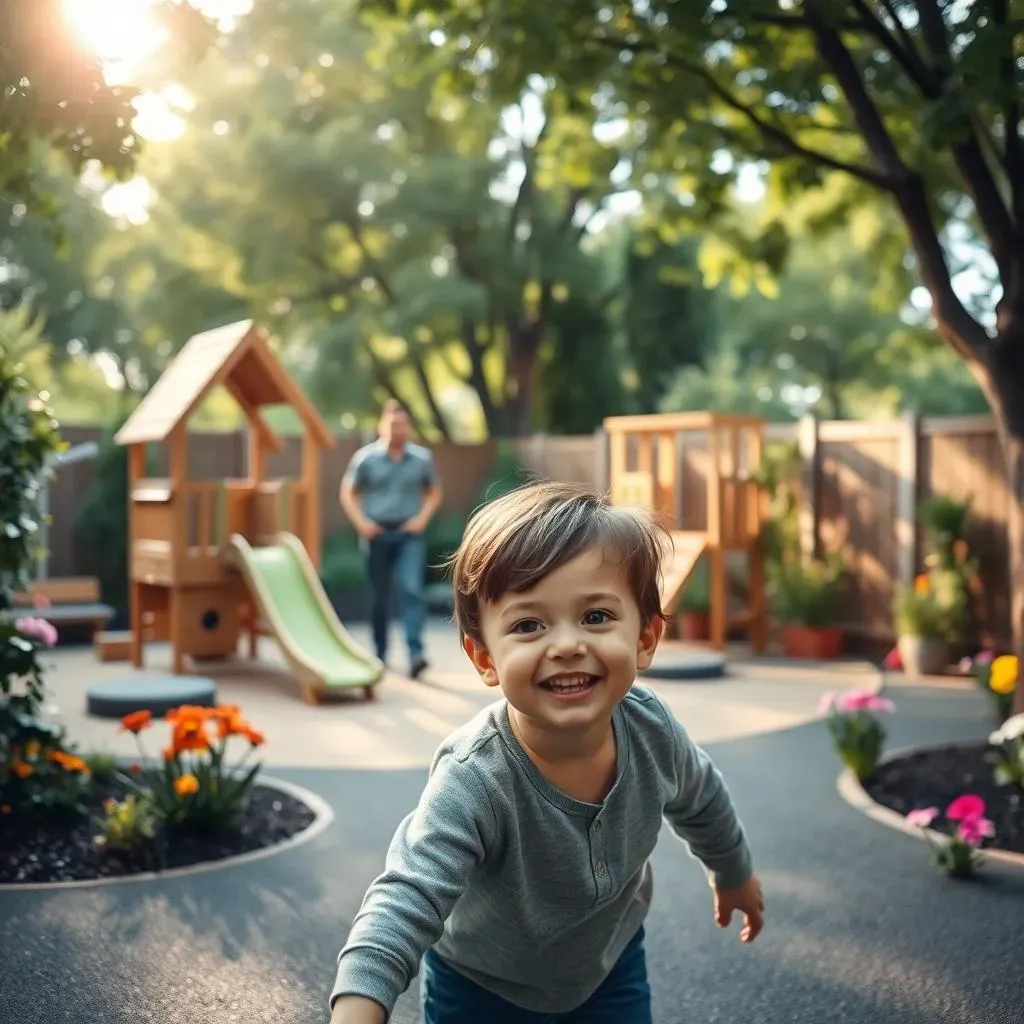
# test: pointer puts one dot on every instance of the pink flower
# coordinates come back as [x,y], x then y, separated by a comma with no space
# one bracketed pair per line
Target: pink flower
[40,629]
[973,830]
[984,658]
[965,807]
[40,601]
[893,661]
[922,818]
[864,700]
[965,666]
[827,702]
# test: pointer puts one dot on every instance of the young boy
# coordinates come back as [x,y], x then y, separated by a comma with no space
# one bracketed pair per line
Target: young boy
[522,877]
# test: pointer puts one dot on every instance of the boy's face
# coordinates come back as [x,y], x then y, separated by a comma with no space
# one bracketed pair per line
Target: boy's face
[566,652]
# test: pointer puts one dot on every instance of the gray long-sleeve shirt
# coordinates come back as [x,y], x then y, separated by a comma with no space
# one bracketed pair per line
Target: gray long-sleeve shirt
[523,889]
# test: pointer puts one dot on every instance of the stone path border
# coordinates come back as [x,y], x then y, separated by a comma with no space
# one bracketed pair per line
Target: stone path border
[323,815]
[850,789]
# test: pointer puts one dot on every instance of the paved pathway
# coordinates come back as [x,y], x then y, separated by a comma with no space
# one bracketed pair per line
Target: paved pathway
[861,930]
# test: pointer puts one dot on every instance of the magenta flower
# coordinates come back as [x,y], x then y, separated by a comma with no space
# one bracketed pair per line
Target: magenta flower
[826,703]
[893,661]
[973,830]
[965,807]
[864,700]
[984,658]
[923,817]
[40,629]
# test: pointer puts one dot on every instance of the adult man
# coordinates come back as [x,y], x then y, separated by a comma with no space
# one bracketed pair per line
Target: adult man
[389,492]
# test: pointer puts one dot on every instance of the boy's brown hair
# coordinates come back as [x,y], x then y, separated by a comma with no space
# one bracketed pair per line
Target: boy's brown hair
[514,541]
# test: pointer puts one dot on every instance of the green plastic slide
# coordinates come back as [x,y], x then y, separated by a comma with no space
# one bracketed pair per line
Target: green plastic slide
[290,599]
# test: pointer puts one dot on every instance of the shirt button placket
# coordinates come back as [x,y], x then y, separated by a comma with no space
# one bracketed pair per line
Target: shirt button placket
[598,849]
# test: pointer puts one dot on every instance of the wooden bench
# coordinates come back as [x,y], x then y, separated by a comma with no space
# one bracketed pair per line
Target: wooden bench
[73,600]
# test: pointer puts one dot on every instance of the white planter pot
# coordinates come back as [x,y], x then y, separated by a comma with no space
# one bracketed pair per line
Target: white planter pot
[923,655]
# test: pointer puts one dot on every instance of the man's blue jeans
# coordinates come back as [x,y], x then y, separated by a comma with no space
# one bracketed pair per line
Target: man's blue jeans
[624,997]
[397,560]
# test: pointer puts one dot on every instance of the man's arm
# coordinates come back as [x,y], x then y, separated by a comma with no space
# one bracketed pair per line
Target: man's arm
[434,853]
[432,498]
[351,503]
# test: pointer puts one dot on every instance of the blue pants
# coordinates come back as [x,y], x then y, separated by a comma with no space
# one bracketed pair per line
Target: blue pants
[397,559]
[624,997]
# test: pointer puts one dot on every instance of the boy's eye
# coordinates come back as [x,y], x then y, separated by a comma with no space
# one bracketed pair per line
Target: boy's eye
[596,617]
[526,626]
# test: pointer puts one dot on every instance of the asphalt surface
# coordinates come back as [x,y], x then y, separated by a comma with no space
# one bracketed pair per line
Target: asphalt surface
[860,927]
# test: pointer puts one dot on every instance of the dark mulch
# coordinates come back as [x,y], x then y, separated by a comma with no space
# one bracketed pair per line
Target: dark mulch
[61,848]
[936,777]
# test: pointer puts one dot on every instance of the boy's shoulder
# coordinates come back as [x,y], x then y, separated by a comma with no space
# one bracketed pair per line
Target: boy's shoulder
[646,708]
[477,738]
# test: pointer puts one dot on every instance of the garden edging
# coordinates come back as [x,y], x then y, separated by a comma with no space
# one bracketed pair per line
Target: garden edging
[849,788]
[323,815]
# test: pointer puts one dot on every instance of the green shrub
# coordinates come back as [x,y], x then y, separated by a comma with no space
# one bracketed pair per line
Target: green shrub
[806,593]
[36,771]
[341,567]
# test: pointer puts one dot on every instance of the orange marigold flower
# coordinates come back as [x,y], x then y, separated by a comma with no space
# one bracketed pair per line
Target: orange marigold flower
[190,735]
[169,753]
[22,769]
[69,762]
[135,767]
[137,721]
[254,736]
[186,785]
[921,584]
[231,725]
[188,713]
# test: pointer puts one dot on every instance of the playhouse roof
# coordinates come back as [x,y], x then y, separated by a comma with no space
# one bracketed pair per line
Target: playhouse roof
[236,356]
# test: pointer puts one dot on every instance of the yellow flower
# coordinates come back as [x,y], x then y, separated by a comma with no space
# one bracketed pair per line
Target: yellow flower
[32,749]
[186,785]
[1003,674]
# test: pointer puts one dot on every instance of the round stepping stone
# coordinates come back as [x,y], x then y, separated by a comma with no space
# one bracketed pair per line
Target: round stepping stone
[686,666]
[149,691]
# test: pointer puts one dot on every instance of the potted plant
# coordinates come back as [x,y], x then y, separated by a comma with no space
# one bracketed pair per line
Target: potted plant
[928,618]
[805,597]
[694,620]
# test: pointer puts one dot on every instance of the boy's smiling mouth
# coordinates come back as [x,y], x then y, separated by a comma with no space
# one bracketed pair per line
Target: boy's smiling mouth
[570,684]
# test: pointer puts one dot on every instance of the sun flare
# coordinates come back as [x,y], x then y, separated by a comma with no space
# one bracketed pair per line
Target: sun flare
[116,31]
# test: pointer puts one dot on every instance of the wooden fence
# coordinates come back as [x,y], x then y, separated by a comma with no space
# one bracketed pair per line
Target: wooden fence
[866,479]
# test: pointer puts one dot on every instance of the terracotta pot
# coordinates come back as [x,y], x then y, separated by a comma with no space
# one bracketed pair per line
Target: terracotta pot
[694,625]
[815,642]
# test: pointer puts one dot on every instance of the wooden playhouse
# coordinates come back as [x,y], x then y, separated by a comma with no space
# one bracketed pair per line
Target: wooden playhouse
[698,470]
[210,560]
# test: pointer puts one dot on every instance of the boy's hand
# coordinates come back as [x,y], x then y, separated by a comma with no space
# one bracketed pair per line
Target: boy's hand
[748,901]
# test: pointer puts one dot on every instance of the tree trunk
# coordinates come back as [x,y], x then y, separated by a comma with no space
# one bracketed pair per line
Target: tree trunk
[521,383]
[1006,386]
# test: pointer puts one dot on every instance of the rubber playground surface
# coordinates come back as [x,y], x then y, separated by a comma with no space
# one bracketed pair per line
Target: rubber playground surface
[860,928]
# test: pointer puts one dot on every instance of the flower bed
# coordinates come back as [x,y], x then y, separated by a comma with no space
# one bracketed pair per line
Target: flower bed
[61,848]
[936,778]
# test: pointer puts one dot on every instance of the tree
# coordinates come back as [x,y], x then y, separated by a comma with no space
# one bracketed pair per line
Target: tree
[55,98]
[668,314]
[919,102]
[400,242]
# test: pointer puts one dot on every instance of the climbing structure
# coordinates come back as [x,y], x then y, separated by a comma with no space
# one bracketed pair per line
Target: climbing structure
[698,471]
[211,559]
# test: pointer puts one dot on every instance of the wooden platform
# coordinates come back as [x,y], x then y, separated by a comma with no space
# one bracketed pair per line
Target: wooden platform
[113,645]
